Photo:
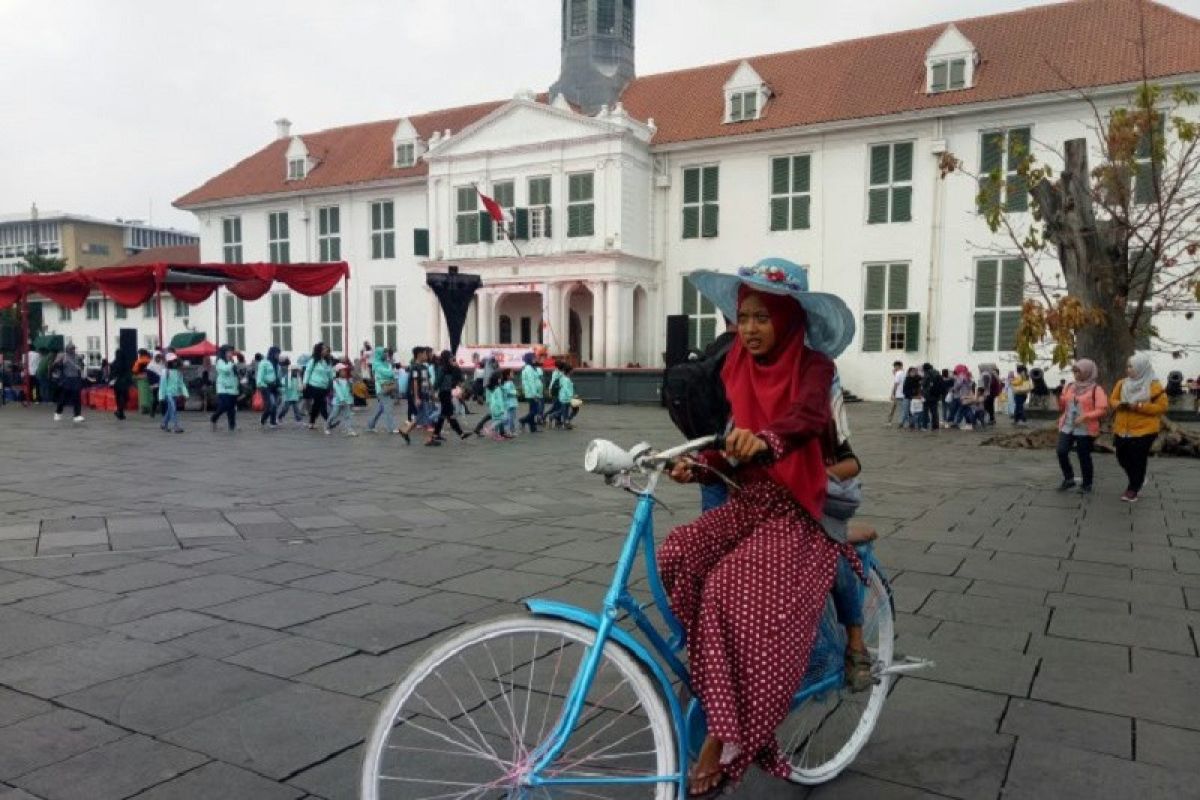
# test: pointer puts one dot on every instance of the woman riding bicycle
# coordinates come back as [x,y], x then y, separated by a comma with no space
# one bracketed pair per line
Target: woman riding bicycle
[749,579]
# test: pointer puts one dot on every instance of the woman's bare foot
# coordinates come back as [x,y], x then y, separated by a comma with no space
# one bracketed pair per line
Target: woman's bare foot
[705,774]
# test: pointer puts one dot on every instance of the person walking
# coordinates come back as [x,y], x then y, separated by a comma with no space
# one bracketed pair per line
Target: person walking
[1019,387]
[227,389]
[989,383]
[122,381]
[910,390]
[963,392]
[532,386]
[70,382]
[318,376]
[1140,402]
[386,395]
[420,394]
[291,393]
[343,402]
[170,389]
[266,379]
[1082,405]
[449,377]
[897,392]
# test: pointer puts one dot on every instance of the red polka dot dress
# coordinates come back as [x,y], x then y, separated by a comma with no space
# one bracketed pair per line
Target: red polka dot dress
[748,580]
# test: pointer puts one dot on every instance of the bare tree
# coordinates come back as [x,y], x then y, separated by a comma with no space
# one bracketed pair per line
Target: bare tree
[1125,233]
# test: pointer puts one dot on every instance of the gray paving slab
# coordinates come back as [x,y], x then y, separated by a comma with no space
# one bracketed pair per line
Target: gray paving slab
[15,706]
[130,577]
[1168,747]
[224,640]
[74,525]
[19,531]
[68,667]
[1165,700]
[21,632]
[48,738]
[173,695]
[143,540]
[282,733]
[337,777]
[1104,626]
[283,608]
[111,772]
[333,582]
[290,655]
[17,590]
[1071,727]
[217,779]
[1043,769]
[376,628]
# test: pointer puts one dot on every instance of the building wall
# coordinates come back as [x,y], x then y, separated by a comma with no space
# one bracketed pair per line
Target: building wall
[88,245]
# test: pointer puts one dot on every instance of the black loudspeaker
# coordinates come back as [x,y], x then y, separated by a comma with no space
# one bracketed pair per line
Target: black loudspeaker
[129,343]
[677,339]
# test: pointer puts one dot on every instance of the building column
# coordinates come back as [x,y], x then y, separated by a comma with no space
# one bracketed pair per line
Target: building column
[556,338]
[613,350]
[599,323]
[433,331]
[482,335]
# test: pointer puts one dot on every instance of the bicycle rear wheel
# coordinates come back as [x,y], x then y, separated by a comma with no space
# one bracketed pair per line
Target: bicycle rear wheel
[825,732]
[468,718]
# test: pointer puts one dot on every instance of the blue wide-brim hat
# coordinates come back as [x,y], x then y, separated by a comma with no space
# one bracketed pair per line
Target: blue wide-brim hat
[830,323]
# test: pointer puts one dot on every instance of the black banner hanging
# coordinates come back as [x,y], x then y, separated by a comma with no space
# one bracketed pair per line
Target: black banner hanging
[454,291]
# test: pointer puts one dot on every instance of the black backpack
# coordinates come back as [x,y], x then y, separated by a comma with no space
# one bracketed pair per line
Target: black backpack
[694,394]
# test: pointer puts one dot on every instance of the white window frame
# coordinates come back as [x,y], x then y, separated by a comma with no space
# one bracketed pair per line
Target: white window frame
[1006,173]
[700,311]
[297,169]
[329,233]
[150,309]
[331,320]
[466,215]
[539,213]
[278,246]
[120,311]
[791,196]
[965,61]
[281,320]
[738,112]
[406,154]
[235,322]
[93,352]
[891,184]
[383,232]
[893,314]
[581,203]
[700,205]
[231,239]
[91,309]
[64,314]
[383,316]
[181,309]
[506,207]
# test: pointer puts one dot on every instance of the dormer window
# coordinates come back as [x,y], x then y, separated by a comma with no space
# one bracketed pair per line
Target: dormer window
[745,94]
[950,63]
[406,154]
[743,106]
[298,164]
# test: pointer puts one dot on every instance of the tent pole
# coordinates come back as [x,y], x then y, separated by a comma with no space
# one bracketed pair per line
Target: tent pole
[217,316]
[162,345]
[25,348]
[346,315]
[104,300]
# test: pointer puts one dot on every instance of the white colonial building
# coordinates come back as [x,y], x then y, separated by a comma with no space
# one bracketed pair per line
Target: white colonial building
[619,186]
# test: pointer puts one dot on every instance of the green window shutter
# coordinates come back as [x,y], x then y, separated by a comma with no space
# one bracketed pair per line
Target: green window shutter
[912,332]
[521,224]
[779,213]
[335,249]
[880,163]
[688,304]
[984,338]
[421,242]
[709,217]
[902,162]
[779,176]
[989,193]
[539,191]
[272,227]
[502,193]
[691,185]
[285,253]
[991,151]
[588,220]
[486,228]
[872,333]
[711,180]
[735,107]
[938,84]
[1010,321]
[1143,184]
[573,222]
[376,246]
[877,205]
[902,204]
[389,216]
[801,166]
[750,105]
[283,225]
[1018,146]
[986,278]
[376,216]
[546,214]
[876,284]
[897,287]
[691,222]
[958,73]
[1016,193]
[800,213]
[1012,282]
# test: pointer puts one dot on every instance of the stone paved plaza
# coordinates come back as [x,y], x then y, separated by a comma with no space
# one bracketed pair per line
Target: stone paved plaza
[216,616]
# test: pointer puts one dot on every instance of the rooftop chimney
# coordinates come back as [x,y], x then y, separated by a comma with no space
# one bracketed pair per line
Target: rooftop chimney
[283,128]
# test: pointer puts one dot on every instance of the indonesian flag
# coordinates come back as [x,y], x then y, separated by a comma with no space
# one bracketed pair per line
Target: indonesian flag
[493,208]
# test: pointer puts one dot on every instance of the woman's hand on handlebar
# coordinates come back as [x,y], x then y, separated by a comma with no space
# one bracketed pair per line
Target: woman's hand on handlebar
[683,470]
[743,445]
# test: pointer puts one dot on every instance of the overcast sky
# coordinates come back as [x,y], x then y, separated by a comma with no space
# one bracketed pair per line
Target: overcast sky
[114,108]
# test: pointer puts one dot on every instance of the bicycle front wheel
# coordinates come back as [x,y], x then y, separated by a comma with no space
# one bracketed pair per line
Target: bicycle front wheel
[468,719]
[825,732]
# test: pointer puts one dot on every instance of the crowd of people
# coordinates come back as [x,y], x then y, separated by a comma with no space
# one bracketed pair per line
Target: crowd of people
[428,394]
[929,399]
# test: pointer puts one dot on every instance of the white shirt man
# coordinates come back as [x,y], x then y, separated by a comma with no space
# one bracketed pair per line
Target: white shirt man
[897,393]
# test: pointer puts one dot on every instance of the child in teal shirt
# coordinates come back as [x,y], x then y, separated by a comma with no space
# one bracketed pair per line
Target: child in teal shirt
[291,395]
[343,403]
[497,406]
[510,401]
[169,388]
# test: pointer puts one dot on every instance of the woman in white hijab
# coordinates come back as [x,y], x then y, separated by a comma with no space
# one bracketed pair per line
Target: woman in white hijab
[1140,402]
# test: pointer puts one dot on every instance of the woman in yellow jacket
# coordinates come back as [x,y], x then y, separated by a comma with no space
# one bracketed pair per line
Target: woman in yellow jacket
[1140,402]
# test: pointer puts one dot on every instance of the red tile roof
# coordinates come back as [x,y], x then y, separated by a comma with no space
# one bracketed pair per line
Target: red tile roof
[1086,43]
[174,254]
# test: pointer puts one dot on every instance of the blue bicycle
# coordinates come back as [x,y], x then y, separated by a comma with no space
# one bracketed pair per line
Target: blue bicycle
[566,702]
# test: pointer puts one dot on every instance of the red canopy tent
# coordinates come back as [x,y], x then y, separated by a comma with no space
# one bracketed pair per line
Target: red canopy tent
[131,286]
[201,350]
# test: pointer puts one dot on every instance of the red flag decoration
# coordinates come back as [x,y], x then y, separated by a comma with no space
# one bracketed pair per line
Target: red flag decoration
[493,208]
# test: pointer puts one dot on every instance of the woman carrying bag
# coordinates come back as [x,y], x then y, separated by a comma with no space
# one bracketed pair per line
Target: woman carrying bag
[1139,401]
[1082,405]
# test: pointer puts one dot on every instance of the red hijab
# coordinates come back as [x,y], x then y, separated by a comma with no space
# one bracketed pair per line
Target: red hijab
[762,391]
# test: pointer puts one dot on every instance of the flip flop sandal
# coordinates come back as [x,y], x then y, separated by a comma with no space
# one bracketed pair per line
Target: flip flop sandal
[719,788]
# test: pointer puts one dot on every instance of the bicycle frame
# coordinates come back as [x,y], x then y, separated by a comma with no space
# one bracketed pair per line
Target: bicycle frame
[663,650]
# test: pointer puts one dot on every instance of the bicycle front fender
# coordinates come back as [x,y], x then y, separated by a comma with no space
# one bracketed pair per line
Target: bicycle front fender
[589,619]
